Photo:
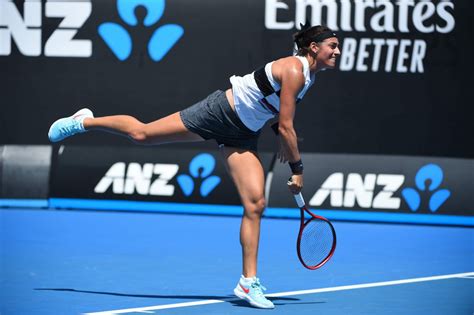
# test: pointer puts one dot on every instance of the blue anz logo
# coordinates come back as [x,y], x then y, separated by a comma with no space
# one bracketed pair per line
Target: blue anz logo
[200,167]
[119,40]
[431,172]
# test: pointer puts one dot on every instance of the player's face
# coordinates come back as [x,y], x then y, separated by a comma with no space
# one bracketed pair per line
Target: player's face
[328,53]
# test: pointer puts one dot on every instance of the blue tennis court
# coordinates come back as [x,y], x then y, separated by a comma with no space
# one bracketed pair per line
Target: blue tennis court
[110,203]
[86,262]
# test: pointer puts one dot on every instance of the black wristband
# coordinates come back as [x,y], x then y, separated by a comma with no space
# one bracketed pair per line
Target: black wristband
[296,167]
[275,128]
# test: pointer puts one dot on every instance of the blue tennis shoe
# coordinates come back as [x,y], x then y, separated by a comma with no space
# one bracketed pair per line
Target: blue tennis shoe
[252,292]
[69,126]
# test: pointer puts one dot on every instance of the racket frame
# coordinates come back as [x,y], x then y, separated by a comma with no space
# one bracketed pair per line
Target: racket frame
[303,223]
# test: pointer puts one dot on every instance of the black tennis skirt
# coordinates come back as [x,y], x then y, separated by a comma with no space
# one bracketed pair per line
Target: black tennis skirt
[214,118]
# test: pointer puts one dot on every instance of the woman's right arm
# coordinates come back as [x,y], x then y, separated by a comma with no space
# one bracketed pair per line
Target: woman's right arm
[292,81]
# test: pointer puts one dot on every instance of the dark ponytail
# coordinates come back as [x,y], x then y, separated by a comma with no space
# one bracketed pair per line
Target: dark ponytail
[307,34]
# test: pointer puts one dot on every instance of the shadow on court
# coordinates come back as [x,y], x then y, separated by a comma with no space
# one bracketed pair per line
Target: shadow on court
[228,298]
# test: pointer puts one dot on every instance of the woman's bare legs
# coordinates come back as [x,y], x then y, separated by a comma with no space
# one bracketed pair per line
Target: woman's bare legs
[164,130]
[247,173]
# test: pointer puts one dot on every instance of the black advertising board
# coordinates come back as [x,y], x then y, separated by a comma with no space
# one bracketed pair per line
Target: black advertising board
[345,187]
[143,174]
[389,184]
[401,85]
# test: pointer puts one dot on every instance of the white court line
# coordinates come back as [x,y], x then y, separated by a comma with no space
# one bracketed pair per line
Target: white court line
[301,292]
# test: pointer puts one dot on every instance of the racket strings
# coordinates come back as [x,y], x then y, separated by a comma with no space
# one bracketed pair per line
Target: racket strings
[316,242]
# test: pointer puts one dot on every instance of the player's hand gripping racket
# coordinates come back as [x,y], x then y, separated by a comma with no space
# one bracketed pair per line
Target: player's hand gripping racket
[316,239]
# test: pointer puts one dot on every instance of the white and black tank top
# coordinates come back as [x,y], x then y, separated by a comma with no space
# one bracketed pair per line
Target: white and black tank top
[257,95]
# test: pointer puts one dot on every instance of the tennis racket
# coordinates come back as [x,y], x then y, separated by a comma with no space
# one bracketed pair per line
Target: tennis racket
[316,239]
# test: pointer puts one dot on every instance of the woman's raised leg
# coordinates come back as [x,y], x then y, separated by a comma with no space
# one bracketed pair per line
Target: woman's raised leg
[164,130]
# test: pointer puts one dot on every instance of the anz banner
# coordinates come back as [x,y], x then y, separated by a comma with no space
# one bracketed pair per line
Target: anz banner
[366,186]
[401,85]
[342,187]
[141,174]
[27,30]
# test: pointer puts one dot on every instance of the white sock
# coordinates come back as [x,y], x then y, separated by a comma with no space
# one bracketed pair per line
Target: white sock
[81,122]
[246,281]
[80,119]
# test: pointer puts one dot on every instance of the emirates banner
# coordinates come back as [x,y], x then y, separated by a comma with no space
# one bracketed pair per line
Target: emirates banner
[400,86]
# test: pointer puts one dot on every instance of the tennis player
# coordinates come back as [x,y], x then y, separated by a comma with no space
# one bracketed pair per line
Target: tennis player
[234,118]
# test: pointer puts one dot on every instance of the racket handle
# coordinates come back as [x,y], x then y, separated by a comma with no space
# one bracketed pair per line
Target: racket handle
[298,197]
[299,200]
